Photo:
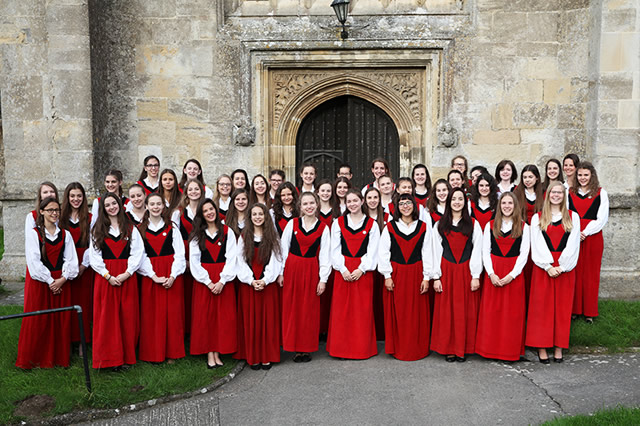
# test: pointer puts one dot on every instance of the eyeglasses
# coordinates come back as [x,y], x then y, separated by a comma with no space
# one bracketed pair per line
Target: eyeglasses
[153,166]
[51,210]
[224,184]
[405,204]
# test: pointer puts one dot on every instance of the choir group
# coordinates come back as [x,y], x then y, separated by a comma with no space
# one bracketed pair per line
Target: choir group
[471,264]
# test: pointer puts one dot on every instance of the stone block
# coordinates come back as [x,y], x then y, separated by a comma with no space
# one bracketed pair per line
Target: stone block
[491,68]
[204,29]
[195,7]
[557,91]
[171,31]
[163,60]
[11,34]
[509,26]
[496,137]
[532,6]
[610,176]
[11,8]
[22,98]
[202,60]
[618,52]
[156,9]
[608,114]
[629,114]
[523,91]
[542,26]
[528,49]
[154,132]
[152,109]
[67,20]
[70,59]
[549,139]
[502,117]
[75,135]
[574,25]
[615,86]
[573,59]
[69,95]
[23,60]
[571,116]
[499,50]
[489,91]
[534,115]
[162,87]
[82,169]
[189,110]
[582,90]
[542,68]
[460,90]
[471,115]
[575,140]
[620,20]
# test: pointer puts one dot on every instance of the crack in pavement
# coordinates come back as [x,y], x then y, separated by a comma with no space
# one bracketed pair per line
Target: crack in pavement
[523,373]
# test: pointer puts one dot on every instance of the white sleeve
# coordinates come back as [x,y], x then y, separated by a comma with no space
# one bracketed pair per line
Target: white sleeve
[425,217]
[95,259]
[540,253]
[137,252]
[324,258]
[232,254]
[384,254]
[146,269]
[197,271]
[95,209]
[243,270]
[86,261]
[436,253]
[475,263]
[179,264]
[37,270]
[523,257]
[29,224]
[273,216]
[175,218]
[337,259]
[208,193]
[426,253]
[569,256]
[70,265]
[486,249]
[370,259]
[273,268]
[285,243]
[596,226]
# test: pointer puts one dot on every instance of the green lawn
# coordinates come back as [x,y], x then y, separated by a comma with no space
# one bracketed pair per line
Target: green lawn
[110,390]
[615,329]
[620,416]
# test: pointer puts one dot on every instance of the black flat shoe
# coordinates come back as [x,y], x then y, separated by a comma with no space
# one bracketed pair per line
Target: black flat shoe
[297,358]
[588,320]
[306,357]
[211,367]
[255,367]
[558,360]
[451,358]
[266,366]
[544,361]
[461,358]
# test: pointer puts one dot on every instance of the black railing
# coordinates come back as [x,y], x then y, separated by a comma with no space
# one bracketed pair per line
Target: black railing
[83,340]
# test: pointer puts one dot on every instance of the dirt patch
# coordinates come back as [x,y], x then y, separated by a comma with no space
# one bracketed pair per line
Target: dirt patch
[34,406]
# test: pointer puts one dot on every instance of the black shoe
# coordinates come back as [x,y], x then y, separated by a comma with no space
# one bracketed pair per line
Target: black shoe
[588,320]
[461,358]
[211,367]
[255,367]
[544,361]
[266,366]
[558,360]
[298,357]
[116,369]
[451,358]
[306,357]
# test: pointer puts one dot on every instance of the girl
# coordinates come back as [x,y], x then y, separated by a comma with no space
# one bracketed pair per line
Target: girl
[325,195]
[437,202]
[113,184]
[529,192]
[193,170]
[340,188]
[379,167]
[552,171]
[306,243]
[259,264]
[259,194]
[505,250]
[570,163]
[161,290]
[354,242]
[237,216]
[375,212]
[456,179]
[239,179]
[421,183]
[405,262]
[170,190]
[326,215]
[476,171]
[484,199]
[148,179]
[76,219]
[212,258]
[506,174]
[308,175]
[555,244]
[45,340]
[45,190]
[115,253]
[386,188]
[136,208]
[285,206]
[223,195]
[457,265]
[460,163]
[592,205]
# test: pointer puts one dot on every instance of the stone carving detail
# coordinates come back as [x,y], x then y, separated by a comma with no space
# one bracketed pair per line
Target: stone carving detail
[407,85]
[244,133]
[447,135]
[287,86]
[460,4]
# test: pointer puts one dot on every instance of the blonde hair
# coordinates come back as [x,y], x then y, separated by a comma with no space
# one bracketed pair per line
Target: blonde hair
[545,214]
[516,217]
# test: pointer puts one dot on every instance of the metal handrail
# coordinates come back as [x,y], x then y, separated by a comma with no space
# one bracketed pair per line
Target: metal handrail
[83,340]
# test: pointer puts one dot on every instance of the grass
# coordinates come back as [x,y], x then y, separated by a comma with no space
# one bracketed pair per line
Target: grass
[615,329]
[110,390]
[607,417]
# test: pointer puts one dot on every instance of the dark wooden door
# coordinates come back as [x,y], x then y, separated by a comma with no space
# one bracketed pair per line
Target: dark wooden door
[351,130]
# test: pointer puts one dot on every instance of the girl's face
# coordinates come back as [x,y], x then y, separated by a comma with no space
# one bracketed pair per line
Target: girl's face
[556,195]
[152,167]
[385,185]
[241,202]
[506,172]
[354,203]
[420,176]
[155,205]
[569,167]
[193,192]
[168,182]
[308,205]
[286,196]
[239,181]
[455,180]
[260,186]
[458,164]
[209,213]
[442,192]
[584,177]
[457,202]
[378,169]
[46,191]
[136,196]
[529,180]
[224,187]
[192,170]
[51,212]
[76,198]
[404,187]
[406,208]
[111,206]
[553,171]
[341,189]
[373,200]
[111,184]
[506,206]
[257,216]
[484,188]
[324,192]
[475,175]
[308,175]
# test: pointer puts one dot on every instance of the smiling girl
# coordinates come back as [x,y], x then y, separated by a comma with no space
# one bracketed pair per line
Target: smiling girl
[148,179]
[437,202]
[285,206]
[506,176]
[136,208]
[112,184]
[193,170]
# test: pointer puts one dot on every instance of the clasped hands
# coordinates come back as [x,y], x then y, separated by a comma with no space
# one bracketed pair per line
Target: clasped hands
[166,282]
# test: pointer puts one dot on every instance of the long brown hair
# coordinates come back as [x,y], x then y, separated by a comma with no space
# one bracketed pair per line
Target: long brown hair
[200,225]
[493,190]
[185,199]
[40,222]
[216,194]
[83,213]
[270,242]
[547,180]
[432,201]
[174,193]
[231,218]
[144,174]
[253,195]
[520,194]
[39,196]
[144,223]
[546,215]
[278,207]
[379,210]
[594,182]
[446,222]
[101,227]
[184,178]
[336,200]
[516,218]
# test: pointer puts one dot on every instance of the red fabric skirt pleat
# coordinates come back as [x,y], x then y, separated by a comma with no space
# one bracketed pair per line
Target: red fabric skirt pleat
[585,301]
[300,304]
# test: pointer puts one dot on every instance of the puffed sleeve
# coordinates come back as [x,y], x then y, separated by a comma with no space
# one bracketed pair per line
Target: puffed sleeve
[95,210]
[29,224]
[540,253]
[486,249]
[243,270]
[145,269]
[273,268]
[197,271]
[175,218]
[369,261]
[285,243]
[179,264]
[95,259]
[475,263]
[324,258]
[137,252]
[523,257]
[436,253]
[228,272]
[337,259]
[37,270]
[86,261]
[384,254]
[602,218]
[426,253]
[425,217]
[70,265]
[569,256]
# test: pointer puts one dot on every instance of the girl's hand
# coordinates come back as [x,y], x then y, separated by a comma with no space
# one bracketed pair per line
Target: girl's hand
[321,288]
[169,282]
[123,277]
[357,274]
[582,236]
[495,280]
[388,283]
[81,270]
[506,280]
[217,288]
[280,280]
[347,275]
[158,280]
[114,281]
[475,284]
[424,286]
[437,286]
[56,285]
[553,272]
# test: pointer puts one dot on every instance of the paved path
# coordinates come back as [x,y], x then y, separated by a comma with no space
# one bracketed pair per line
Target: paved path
[16,295]
[385,391]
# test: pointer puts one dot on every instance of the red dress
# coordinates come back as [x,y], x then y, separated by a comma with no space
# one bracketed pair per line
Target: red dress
[300,302]
[550,300]
[421,199]
[435,215]
[259,325]
[585,300]
[45,340]
[186,226]
[483,216]
[161,309]
[81,289]
[456,307]
[116,309]
[214,322]
[325,298]
[282,223]
[351,326]
[407,317]
[147,189]
[501,320]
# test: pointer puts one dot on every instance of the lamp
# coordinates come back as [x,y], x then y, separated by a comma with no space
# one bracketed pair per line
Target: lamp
[341,8]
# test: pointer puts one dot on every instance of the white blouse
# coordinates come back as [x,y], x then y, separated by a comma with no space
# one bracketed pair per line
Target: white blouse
[179,262]
[369,261]
[521,261]
[384,249]
[245,273]
[135,255]
[475,262]
[602,218]
[228,270]
[324,258]
[540,253]
[37,269]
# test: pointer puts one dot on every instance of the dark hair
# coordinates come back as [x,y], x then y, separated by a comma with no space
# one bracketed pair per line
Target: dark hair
[572,157]
[40,221]
[246,178]
[231,218]
[482,170]
[308,164]
[144,223]
[466,165]
[336,199]
[200,224]
[101,227]
[594,182]
[547,180]
[184,177]
[277,206]
[345,165]
[465,184]
[379,209]
[270,242]
[432,201]
[501,165]
[415,215]
[39,196]
[118,175]
[493,190]
[174,193]
[143,174]
[446,222]
[384,162]
[315,197]
[137,186]
[83,213]
[427,182]
[253,195]
[520,194]
[184,202]
[277,172]
[359,195]
[396,194]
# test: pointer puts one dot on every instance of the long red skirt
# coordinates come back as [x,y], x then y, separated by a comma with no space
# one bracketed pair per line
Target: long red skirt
[378,304]
[352,331]
[585,300]
[325,303]
[549,316]
[214,321]
[259,324]
[45,340]
[501,317]
[407,318]
[456,312]
[161,315]
[82,295]
[527,272]
[300,304]
[187,284]
[116,318]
